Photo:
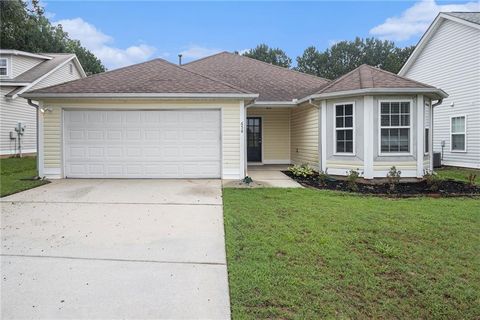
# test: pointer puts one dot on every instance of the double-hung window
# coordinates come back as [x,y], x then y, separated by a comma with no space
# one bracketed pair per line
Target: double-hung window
[3,67]
[395,127]
[344,122]
[458,132]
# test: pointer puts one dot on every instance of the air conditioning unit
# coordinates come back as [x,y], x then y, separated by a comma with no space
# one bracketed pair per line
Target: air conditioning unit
[437,159]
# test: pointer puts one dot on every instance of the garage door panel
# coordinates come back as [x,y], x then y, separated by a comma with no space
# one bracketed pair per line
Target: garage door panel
[142,144]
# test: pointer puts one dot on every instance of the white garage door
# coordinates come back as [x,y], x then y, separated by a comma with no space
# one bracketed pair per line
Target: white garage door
[142,144]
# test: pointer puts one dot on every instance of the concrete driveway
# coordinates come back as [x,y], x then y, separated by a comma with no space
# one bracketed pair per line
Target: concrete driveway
[114,249]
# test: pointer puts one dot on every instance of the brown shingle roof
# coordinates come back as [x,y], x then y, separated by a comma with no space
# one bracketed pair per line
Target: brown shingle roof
[368,77]
[273,83]
[155,76]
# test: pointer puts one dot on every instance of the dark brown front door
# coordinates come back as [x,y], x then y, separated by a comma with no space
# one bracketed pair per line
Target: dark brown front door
[254,139]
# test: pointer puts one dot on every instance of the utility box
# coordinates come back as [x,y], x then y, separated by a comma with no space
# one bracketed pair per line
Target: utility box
[437,159]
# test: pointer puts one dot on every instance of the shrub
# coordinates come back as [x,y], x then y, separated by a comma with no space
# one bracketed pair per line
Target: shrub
[471,179]
[393,177]
[322,178]
[247,180]
[432,179]
[352,178]
[303,170]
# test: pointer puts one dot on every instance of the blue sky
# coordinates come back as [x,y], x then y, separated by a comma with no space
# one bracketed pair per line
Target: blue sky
[126,32]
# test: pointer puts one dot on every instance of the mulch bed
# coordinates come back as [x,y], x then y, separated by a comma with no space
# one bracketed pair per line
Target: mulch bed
[446,188]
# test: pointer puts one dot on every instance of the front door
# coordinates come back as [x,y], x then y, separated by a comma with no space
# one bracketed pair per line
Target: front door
[254,139]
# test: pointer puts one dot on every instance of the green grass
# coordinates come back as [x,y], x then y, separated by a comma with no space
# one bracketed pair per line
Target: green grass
[309,254]
[12,170]
[456,173]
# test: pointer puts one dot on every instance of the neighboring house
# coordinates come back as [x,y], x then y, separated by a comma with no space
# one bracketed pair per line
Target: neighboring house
[21,71]
[212,117]
[448,56]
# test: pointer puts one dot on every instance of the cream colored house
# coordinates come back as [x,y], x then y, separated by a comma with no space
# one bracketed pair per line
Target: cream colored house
[22,71]
[213,117]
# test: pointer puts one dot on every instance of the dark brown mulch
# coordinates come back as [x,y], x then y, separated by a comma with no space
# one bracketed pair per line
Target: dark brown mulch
[446,188]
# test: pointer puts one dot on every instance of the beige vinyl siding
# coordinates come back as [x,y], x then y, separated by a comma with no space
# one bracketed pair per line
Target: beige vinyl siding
[304,135]
[275,132]
[451,61]
[59,76]
[13,111]
[20,64]
[230,125]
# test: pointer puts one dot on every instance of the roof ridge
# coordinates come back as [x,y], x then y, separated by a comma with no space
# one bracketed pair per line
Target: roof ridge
[333,82]
[255,60]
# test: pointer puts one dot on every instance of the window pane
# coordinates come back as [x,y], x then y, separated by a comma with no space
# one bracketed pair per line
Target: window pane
[349,146]
[405,120]
[3,62]
[395,107]
[349,135]
[349,122]
[339,122]
[339,110]
[427,140]
[405,107]
[3,71]
[395,120]
[348,109]
[385,106]
[458,142]
[340,146]
[385,120]
[341,135]
[458,125]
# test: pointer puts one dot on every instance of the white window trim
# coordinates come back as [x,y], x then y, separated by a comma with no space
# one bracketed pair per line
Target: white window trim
[410,145]
[464,133]
[8,67]
[335,153]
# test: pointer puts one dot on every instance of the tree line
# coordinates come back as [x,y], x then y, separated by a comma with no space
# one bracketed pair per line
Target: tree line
[26,28]
[340,58]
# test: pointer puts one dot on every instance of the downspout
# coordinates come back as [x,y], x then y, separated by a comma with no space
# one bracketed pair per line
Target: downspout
[37,108]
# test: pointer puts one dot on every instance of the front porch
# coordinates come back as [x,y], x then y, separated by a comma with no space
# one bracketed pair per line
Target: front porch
[281,136]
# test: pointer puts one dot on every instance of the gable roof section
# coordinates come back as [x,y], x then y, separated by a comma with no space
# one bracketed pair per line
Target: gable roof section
[273,83]
[367,79]
[151,78]
[43,68]
[471,19]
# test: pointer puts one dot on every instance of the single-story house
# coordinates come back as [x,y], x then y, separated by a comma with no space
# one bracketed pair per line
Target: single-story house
[448,56]
[22,71]
[212,117]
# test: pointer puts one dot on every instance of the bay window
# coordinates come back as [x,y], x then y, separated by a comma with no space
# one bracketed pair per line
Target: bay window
[344,122]
[395,127]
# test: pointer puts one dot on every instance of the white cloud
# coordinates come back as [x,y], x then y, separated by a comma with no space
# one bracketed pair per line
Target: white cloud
[241,52]
[416,19]
[101,44]
[197,52]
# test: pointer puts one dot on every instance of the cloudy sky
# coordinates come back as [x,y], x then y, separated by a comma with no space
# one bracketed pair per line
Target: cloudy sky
[126,32]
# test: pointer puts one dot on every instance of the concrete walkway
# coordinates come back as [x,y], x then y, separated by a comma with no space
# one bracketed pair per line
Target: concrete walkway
[83,249]
[265,176]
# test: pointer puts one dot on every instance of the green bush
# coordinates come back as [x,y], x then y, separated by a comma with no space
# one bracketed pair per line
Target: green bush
[393,177]
[303,170]
[352,178]
[323,177]
[432,179]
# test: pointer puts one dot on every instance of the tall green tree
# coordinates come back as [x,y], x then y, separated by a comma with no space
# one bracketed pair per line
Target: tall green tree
[274,56]
[345,56]
[27,29]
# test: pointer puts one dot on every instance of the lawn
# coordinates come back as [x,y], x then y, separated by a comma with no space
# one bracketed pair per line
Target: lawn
[13,170]
[457,173]
[309,254]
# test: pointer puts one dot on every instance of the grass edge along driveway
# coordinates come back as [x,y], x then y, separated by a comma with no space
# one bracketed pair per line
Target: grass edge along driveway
[302,253]
[13,170]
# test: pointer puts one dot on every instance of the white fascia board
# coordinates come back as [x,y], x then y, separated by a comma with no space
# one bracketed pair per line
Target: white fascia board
[79,67]
[23,53]
[43,77]
[14,84]
[377,91]
[140,95]
[274,104]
